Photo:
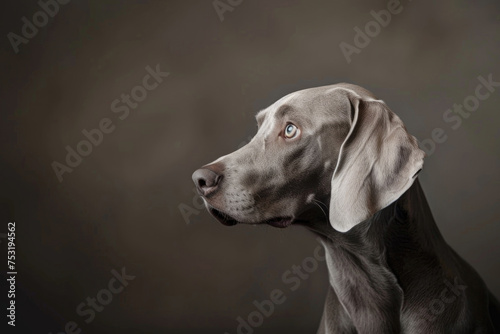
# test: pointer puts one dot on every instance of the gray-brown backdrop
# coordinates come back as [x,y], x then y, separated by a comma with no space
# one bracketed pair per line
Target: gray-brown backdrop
[121,205]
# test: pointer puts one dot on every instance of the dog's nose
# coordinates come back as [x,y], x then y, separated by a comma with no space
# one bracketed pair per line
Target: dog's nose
[206,181]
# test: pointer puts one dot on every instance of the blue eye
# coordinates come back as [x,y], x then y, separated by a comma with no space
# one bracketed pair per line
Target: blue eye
[290,131]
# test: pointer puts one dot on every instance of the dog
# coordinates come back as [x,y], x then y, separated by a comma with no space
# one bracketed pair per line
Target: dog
[336,160]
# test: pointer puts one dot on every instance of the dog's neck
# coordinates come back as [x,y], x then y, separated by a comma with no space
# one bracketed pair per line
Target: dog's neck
[365,264]
[410,214]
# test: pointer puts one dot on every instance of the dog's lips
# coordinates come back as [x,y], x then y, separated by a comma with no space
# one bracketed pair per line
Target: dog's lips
[225,219]
[222,217]
[280,222]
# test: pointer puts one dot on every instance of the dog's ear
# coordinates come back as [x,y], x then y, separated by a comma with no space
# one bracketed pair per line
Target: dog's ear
[377,163]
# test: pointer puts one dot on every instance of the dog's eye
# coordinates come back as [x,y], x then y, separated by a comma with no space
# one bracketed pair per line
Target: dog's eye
[291,131]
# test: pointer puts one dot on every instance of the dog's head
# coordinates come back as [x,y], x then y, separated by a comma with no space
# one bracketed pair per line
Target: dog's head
[335,144]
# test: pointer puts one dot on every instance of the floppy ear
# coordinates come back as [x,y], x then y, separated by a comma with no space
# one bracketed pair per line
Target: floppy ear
[377,163]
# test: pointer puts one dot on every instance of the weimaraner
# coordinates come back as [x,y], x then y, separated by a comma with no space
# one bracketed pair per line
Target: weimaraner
[338,161]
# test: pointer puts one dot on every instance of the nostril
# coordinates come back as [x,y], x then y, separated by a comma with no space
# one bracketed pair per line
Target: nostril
[206,180]
[202,183]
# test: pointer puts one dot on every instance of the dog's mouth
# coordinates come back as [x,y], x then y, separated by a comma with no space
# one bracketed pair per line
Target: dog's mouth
[225,219]
[280,222]
[222,217]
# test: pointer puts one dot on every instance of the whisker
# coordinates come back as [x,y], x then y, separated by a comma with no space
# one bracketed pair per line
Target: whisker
[318,203]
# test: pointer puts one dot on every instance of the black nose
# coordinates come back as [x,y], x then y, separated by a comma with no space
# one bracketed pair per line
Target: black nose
[206,181]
